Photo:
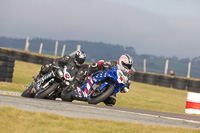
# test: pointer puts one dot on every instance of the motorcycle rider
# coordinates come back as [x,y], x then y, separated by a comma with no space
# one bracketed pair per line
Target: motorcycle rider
[125,63]
[68,61]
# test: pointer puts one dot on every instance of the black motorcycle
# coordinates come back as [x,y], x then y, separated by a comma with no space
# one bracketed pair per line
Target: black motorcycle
[50,85]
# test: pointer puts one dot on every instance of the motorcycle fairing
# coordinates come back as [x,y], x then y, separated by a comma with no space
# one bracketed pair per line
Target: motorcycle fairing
[97,77]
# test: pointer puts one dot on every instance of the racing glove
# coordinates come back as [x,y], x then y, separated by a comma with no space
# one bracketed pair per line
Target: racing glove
[102,64]
[105,65]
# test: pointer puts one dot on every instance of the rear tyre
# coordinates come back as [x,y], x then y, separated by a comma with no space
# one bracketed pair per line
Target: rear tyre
[45,94]
[66,95]
[95,100]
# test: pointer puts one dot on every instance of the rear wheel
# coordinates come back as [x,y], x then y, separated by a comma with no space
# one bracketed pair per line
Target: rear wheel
[47,93]
[27,92]
[99,96]
[66,95]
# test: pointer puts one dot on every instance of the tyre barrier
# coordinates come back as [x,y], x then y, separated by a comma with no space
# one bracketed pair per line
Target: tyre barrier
[6,68]
[45,60]
[138,76]
[193,85]
[5,52]
[150,79]
[179,83]
[33,59]
[26,56]
[165,81]
[19,55]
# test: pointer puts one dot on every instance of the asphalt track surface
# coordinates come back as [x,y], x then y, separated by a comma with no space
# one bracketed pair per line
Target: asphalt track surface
[82,110]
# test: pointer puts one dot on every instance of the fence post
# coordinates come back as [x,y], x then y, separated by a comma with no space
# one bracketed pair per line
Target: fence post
[189,69]
[41,45]
[63,50]
[78,47]
[27,44]
[144,65]
[166,66]
[56,48]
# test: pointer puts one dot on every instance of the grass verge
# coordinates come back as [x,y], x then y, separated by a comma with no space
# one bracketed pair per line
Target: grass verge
[17,121]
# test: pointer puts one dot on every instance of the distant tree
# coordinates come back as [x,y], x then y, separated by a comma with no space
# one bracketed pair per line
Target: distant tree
[174,58]
[130,50]
[185,60]
[145,56]
[196,60]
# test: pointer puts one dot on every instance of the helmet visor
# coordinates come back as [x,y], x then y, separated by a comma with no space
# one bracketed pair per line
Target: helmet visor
[80,61]
[127,66]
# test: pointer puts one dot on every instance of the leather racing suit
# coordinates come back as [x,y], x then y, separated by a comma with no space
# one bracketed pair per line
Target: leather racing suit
[76,71]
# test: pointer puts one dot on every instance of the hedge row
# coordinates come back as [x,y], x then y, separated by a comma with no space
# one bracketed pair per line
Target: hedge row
[168,81]
[6,68]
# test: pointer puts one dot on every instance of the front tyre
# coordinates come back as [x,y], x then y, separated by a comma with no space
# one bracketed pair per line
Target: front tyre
[27,92]
[46,94]
[100,98]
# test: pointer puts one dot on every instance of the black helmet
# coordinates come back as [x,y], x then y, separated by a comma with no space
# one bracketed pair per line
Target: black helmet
[80,57]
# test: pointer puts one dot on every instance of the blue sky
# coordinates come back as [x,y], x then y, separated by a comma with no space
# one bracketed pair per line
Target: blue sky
[163,28]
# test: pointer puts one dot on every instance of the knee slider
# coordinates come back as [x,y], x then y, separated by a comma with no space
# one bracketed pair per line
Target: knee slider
[110,101]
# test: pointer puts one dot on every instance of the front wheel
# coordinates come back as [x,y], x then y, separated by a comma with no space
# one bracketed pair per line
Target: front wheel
[95,98]
[46,94]
[27,92]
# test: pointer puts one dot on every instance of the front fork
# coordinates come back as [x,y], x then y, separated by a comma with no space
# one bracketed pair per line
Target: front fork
[36,87]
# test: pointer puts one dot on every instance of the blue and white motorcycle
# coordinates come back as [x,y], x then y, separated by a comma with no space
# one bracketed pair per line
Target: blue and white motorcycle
[98,86]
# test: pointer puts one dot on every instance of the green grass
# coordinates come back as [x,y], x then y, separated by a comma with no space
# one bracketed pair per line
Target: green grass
[13,120]
[23,72]
[14,87]
[149,97]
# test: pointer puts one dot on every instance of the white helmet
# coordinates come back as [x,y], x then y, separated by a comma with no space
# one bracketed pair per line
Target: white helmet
[125,63]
